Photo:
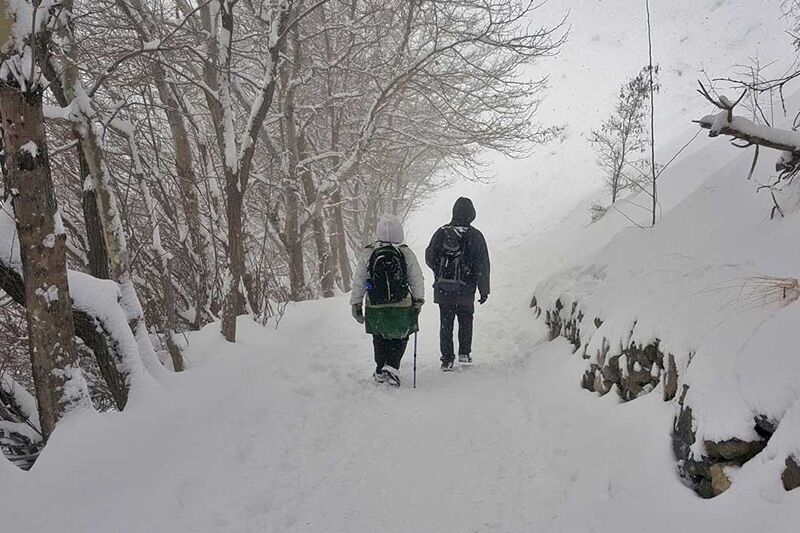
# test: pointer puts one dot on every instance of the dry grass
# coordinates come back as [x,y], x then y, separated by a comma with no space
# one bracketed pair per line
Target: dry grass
[760,291]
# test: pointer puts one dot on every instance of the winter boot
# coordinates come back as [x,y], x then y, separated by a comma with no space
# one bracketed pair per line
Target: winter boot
[379,377]
[464,358]
[391,376]
[447,364]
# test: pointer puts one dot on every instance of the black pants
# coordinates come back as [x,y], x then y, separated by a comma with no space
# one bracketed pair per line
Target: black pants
[388,351]
[447,316]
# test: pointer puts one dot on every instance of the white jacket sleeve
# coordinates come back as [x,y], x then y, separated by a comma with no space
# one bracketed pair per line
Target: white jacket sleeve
[416,281]
[359,287]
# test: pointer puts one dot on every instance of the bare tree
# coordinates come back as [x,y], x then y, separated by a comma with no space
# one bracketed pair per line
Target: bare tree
[622,139]
[238,149]
[431,81]
[60,387]
[170,98]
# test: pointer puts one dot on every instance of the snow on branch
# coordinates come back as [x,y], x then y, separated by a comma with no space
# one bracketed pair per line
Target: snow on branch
[750,132]
[725,123]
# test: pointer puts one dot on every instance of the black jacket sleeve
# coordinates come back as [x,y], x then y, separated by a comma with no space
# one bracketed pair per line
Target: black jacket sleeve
[433,250]
[480,255]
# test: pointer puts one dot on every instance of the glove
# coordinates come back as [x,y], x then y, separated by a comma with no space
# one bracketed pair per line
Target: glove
[483,299]
[418,303]
[358,313]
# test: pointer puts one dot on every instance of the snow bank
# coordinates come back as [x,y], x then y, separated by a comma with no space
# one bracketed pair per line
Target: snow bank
[712,285]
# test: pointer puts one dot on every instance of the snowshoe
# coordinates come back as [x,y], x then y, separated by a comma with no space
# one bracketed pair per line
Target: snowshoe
[379,377]
[447,366]
[464,358]
[391,376]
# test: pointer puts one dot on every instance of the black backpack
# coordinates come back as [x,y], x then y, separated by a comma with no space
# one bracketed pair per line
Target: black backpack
[387,281]
[453,271]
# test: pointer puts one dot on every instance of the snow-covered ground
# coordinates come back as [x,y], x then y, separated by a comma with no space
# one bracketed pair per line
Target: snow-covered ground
[285,432]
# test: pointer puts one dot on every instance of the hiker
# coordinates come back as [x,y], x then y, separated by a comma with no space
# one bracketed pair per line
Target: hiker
[459,258]
[389,280]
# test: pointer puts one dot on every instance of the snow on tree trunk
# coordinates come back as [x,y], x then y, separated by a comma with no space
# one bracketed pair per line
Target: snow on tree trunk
[97,256]
[98,319]
[325,265]
[60,386]
[113,232]
[81,114]
[238,153]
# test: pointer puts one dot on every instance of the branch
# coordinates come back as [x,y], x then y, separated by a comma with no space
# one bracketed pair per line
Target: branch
[749,132]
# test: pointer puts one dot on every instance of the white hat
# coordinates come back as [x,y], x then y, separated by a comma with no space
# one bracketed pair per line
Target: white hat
[390,229]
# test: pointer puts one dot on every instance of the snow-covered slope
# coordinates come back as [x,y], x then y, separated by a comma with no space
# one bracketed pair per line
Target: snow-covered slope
[712,287]
[705,283]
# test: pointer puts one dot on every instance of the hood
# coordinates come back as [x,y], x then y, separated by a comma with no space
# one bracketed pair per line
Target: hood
[389,229]
[463,211]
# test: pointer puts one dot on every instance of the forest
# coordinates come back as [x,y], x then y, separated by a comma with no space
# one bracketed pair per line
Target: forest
[220,158]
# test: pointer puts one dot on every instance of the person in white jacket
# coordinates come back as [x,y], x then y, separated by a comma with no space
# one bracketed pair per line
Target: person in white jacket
[388,294]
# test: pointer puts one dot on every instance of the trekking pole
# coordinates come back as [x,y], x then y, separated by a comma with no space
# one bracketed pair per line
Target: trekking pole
[415,359]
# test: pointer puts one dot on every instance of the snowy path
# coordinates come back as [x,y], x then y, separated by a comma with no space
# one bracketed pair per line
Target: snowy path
[289,434]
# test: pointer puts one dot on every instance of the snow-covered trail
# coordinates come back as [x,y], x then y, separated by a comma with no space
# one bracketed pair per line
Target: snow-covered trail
[285,432]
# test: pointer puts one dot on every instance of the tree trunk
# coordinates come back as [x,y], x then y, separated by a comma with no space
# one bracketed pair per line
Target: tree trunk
[324,260]
[187,181]
[298,151]
[237,174]
[237,157]
[293,242]
[233,297]
[615,185]
[98,259]
[90,329]
[325,266]
[97,253]
[334,256]
[170,318]
[59,384]
[340,242]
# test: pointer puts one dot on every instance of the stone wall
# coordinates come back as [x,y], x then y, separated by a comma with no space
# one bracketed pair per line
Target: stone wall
[635,370]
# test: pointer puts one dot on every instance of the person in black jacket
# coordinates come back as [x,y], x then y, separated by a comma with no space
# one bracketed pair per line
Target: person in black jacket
[459,258]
